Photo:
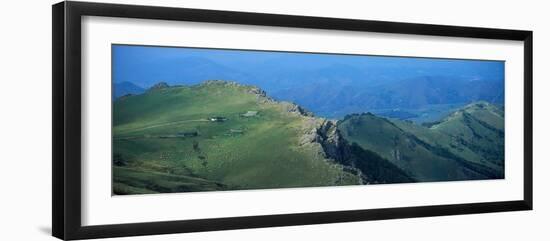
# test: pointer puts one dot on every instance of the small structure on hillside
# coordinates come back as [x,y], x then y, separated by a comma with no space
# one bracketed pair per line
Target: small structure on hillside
[250,113]
[236,131]
[217,119]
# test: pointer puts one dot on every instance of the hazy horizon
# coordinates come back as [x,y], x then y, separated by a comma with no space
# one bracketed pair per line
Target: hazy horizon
[330,85]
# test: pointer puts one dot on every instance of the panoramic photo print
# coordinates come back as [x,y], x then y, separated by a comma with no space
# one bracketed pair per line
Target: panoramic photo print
[199,119]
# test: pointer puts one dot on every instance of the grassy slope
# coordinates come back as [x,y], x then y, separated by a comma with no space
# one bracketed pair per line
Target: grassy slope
[478,127]
[430,154]
[240,153]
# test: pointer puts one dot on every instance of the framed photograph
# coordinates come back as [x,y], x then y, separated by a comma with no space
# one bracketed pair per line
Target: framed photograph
[169,120]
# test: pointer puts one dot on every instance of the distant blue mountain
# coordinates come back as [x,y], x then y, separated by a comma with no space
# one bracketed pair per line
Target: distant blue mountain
[339,100]
[124,88]
[329,85]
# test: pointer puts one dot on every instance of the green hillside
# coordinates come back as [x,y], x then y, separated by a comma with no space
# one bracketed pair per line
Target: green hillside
[216,136]
[221,135]
[466,145]
[479,128]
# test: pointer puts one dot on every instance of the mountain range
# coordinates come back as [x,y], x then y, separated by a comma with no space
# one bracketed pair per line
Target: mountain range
[222,135]
[329,85]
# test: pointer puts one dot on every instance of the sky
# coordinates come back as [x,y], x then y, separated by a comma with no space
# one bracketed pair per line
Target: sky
[145,66]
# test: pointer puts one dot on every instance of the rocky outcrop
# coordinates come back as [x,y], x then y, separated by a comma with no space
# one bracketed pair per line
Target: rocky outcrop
[260,94]
[368,165]
[332,142]
[256,91]
[326,134]
[294,108]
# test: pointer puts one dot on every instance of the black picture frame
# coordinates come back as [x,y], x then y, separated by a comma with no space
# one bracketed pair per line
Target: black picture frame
[66,58]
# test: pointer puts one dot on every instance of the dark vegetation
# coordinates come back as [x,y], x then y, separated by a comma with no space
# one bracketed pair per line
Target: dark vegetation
[375,169]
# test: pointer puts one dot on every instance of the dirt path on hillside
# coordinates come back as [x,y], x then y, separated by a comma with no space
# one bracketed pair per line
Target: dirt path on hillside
[166,124]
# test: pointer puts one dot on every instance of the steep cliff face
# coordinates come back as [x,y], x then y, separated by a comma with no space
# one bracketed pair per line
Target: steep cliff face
[370,166]
[333,144]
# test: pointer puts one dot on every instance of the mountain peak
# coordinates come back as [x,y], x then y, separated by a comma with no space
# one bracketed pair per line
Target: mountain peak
[484,106]
[478,105]
[159,86]
[361,115]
